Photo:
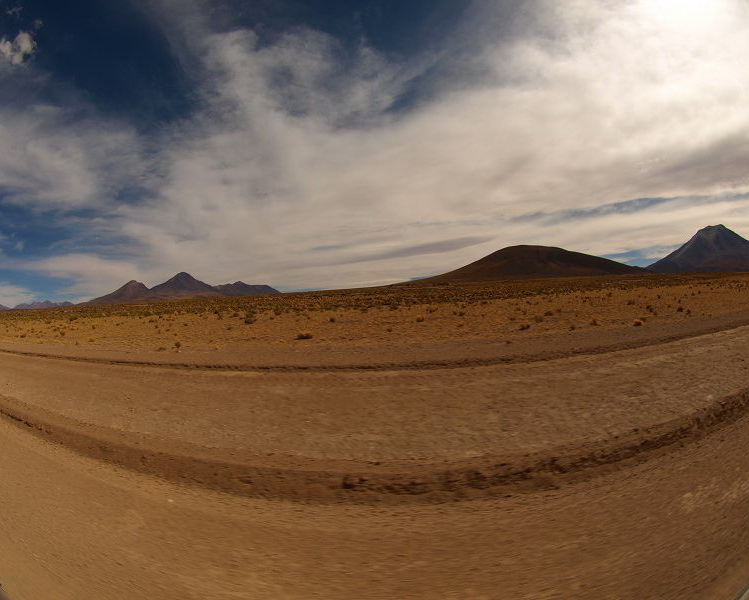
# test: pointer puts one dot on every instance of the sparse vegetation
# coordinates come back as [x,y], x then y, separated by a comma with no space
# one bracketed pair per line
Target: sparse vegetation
[385,315]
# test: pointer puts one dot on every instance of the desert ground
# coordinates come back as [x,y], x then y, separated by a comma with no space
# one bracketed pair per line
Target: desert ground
[540,439]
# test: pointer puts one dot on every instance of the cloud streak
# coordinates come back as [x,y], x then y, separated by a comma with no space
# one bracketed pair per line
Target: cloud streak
[12,295]
[606,116]
[439,247]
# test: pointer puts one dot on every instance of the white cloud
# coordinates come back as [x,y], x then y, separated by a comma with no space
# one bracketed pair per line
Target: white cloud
[298,146]
[90,274]
[17,50]
[11,295]
[613,104]
[60,157]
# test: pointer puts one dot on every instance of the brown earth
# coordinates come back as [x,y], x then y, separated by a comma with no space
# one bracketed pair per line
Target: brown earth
[604,461]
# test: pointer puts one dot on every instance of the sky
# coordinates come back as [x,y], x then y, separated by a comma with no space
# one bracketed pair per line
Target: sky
[311,144]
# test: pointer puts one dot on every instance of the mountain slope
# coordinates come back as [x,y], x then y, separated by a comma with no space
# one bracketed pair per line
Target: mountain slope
[712,249]
[131,291]
[517,262]
[183,285]
[240,288]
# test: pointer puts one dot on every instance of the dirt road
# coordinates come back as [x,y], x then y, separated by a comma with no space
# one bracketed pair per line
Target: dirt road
[618,475]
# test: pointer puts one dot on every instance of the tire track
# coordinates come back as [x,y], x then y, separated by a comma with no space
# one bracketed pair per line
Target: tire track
[309,480]
[436,364]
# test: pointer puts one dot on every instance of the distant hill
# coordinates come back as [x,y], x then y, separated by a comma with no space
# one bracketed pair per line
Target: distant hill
[517,262]
[713,249]
[3,308]
[41,304]
[239,288]
[181,286]
[131,291]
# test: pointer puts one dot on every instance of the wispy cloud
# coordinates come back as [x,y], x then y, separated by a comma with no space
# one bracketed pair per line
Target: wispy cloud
[88,272]
[11,295]
[627,207]
[438,247]
[642,257]
[596,126]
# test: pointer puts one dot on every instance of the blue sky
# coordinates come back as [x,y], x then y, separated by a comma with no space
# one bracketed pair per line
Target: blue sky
[336,143]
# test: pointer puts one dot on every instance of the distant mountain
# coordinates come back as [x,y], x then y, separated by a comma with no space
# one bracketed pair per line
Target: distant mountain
[517,262]
[240,288]
[41,304]
[3,308]
[131,291]
[713,249]
[181,286]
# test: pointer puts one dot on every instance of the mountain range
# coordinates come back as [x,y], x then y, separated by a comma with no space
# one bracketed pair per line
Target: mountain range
[712,249]
[183,285]
[36,305]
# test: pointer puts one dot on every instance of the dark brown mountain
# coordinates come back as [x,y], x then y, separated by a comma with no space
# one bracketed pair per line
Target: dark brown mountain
[181,286]
[518,262]
[240,288]
[714,249]
[130,292]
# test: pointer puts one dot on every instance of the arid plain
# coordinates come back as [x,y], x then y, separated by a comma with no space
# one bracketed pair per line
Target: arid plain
[559,438]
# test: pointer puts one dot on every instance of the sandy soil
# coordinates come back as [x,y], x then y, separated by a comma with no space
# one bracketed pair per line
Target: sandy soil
[383,321]
[606,461]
